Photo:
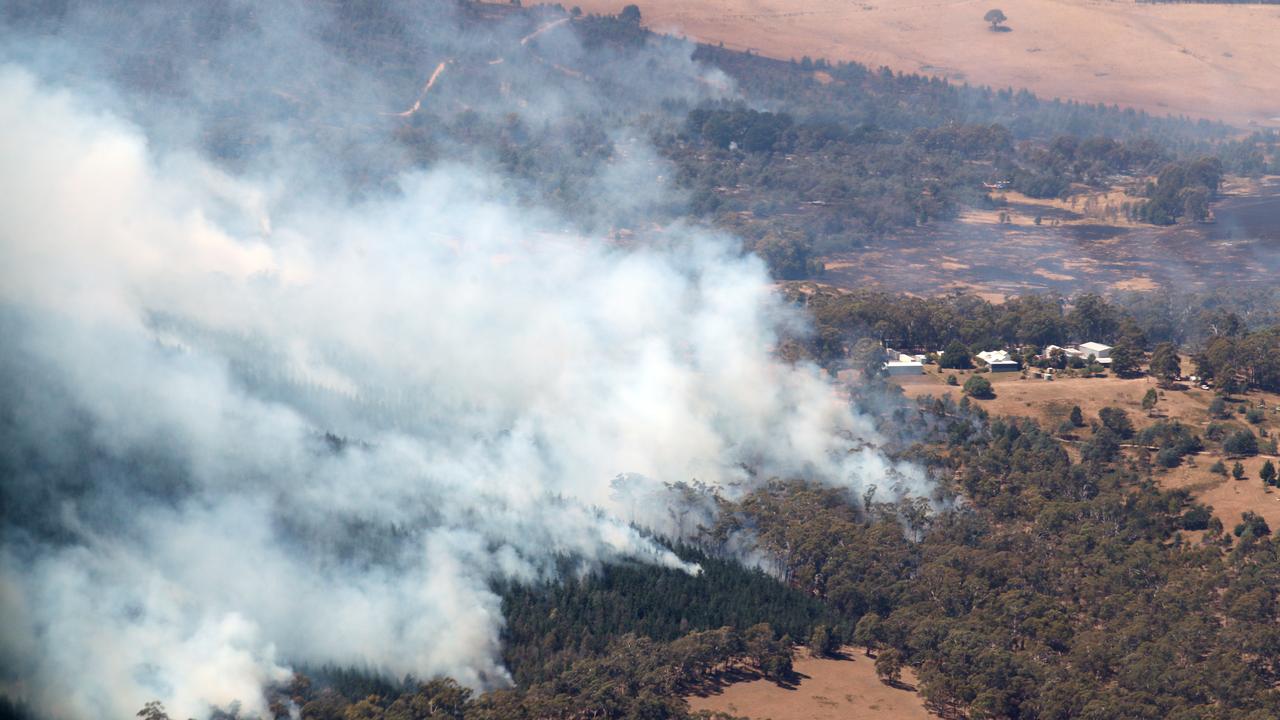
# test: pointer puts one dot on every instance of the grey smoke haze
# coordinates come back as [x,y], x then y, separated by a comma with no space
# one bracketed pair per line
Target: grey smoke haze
[186,340]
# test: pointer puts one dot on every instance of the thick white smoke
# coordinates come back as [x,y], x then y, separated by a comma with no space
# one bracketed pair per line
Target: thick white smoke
[184,350]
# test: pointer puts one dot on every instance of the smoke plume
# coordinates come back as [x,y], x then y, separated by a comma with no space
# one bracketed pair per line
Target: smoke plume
[250,420]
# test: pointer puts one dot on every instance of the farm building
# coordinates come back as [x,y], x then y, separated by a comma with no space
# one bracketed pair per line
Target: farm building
[999,361]
[1100,352]
[897,363]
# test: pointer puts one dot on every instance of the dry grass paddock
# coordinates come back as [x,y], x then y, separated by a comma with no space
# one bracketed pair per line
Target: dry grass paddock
[1202,60]
[828,689]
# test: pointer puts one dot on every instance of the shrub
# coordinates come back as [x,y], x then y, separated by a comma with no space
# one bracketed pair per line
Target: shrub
[1255,415]
[951,380]
[1219,431]
[1268,473]
[1173,439]
[1218,408]
[1196,518]
[1242,443]
[978,387]
[1253,524]
[1117,421]
[1218,468]
[1150,399]
[1168,457]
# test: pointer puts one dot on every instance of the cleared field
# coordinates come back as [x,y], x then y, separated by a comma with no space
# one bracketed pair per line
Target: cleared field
[1228,497]
[1049,403]
[829,689]
[1201,60]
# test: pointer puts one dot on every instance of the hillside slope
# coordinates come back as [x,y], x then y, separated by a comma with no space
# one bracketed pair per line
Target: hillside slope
[1216,61]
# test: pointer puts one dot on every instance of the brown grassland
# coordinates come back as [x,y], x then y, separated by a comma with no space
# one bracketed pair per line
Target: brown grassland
[828,689]
[1201,60]
[1049,403]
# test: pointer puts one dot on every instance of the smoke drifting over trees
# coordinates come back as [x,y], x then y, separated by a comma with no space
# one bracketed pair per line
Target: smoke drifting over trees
[278,393]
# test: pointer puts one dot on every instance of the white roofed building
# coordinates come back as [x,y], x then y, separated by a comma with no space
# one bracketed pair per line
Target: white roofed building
[999,361]
[1097,350]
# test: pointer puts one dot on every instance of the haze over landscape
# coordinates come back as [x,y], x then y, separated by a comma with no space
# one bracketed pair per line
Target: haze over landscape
[1209,60]
[406,360]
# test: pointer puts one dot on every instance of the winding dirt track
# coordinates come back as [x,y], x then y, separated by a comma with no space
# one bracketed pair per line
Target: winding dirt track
[1202,60]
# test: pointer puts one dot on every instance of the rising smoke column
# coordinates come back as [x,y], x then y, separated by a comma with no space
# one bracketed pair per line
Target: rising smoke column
[245,426]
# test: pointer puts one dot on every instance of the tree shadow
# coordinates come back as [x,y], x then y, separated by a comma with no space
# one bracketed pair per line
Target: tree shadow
[716,684]
[791,681]
[1001,29]
[899,685]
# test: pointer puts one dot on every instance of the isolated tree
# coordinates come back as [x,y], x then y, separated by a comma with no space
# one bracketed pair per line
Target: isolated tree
[631,14]
[1218,468]
[1077,417]
[1268,473]
[889,666]
[1166,367]
[1150,399]
[979,388]
[1237,471]
[995,16]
